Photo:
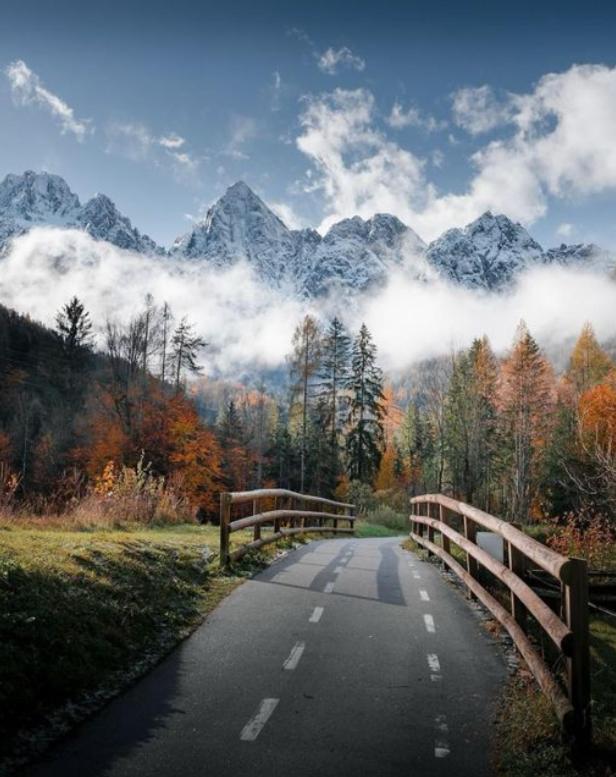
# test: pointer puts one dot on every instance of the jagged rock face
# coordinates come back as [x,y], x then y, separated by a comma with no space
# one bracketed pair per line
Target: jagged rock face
[488,253]
[241,226]
[42,199]
[358,254]
[101,219]
[355,254]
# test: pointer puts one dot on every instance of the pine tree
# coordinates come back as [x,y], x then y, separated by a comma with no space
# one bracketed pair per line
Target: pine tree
[365,420]
[304,365]
[185,347]
[589,363]
[332,400]
[74,327]
[334,372]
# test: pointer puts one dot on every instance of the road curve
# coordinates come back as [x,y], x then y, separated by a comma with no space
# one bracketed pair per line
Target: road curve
[347,657]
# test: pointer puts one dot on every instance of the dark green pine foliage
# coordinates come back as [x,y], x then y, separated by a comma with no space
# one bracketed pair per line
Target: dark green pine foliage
[365,419]
[332,404]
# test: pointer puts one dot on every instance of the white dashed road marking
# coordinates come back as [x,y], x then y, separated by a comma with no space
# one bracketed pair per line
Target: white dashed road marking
[316,615]
[295,655]
[338,570]
[429,624]
[416,575]
[424,596]
[441,739]
[328,588]
[253,728]
[434,663]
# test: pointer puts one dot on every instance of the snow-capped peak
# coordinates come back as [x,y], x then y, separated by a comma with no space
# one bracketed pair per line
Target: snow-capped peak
[487,253]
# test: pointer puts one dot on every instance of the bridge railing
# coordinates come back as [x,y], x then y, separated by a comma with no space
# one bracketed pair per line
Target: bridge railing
[568,630]
[277,513]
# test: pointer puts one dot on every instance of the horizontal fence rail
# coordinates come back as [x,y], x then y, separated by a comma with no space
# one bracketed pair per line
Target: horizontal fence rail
[567,630]
[284,513]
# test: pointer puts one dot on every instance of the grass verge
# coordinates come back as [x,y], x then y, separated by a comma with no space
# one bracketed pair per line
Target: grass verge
[82,613]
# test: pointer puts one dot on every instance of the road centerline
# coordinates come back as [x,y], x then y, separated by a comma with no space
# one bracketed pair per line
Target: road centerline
[429,623]
[255,725]
[294,656]
[316,615]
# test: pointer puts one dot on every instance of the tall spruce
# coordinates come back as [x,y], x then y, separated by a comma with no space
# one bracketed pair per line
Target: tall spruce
[304,366]
[185,348]
[365,419]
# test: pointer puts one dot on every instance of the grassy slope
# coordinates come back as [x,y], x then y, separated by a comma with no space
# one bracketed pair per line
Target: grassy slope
[78,611]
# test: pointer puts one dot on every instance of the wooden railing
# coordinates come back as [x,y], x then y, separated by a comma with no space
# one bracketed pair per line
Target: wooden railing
[568,630]
[276,510]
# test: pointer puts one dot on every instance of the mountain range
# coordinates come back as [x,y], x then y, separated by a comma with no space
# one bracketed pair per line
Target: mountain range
[353,255]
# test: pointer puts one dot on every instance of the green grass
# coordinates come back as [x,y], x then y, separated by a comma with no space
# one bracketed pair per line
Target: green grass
[365,529]
[528,736]
[79,609]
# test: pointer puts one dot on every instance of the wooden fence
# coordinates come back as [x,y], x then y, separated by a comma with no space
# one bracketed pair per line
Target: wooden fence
[567,629]
[275,510]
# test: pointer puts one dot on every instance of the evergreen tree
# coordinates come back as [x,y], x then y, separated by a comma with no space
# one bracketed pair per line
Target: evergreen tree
[185,347]
[332,403]
[304,365]
[365,419]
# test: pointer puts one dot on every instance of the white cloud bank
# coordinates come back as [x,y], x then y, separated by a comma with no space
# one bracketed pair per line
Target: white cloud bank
[27,89]
[249,325]
[559,143]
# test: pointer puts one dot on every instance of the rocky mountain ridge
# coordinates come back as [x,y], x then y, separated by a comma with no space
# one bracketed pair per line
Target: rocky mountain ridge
[355,254]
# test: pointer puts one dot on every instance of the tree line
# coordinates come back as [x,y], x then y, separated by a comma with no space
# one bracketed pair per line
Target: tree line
[510,435]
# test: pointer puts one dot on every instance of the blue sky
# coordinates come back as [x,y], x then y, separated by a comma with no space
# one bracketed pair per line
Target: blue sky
[434,111]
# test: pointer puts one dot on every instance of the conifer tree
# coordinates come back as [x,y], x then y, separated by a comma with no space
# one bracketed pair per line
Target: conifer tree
[304,365]
[365,420]
[185,347]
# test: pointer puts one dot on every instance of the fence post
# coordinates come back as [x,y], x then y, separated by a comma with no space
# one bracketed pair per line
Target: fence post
[256,532]
[517,564]
[443,519]
[225,520]
[430,529]
[578,664]
[470,532]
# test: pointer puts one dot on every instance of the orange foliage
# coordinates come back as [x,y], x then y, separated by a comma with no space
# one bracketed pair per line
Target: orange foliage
[597,409]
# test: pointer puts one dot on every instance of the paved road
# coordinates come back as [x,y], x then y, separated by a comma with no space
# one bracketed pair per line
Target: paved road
[347,657]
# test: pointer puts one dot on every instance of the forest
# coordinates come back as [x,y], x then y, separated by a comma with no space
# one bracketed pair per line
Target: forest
[129,429]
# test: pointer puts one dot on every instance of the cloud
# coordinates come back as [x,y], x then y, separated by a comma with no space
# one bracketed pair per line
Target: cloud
[286,213]
[27,89]
[276,90]
[331,59]
[413,117]
[172,141]
[478,110]
[136,141]
[565,230]
[554,302]
[249,325]
[360,172]
[242,129]
[559,144]
[246,324]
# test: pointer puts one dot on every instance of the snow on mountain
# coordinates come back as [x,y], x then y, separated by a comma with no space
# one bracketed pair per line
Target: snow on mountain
[43,199]
[355,254]
[101,219]
[487,254]
[241,226]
